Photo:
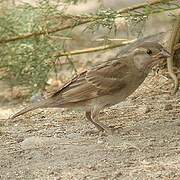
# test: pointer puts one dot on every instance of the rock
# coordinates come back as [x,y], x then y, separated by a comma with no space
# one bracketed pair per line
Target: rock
[168,107]
[143,109]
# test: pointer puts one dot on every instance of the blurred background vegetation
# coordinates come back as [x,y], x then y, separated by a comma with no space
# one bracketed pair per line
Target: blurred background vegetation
[34,34]
[27,62]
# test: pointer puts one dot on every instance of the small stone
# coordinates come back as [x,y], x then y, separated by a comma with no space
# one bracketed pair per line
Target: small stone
[143,109]
[168,107]
[100,141]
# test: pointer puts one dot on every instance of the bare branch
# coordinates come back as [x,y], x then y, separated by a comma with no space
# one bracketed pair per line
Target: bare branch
[172,44]
[110,39]
[142,5]
[91,50]
[79,19]
[35,34]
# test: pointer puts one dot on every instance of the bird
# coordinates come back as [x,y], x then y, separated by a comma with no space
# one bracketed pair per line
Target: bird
[105,84]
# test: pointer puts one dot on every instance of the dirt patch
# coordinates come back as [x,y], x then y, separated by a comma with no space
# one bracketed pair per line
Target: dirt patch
[61,144]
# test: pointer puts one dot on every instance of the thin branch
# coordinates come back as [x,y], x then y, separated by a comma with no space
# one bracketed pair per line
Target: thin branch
[110,39]
[35,34]
[172,43]
[60,38]
[80,19]
[142,5]
[121,11]
[91,50]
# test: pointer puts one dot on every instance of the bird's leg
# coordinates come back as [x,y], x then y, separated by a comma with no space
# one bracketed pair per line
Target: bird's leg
[93,119]
[88,116]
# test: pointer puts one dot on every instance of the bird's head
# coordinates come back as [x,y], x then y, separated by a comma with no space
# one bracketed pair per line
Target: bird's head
[148,54]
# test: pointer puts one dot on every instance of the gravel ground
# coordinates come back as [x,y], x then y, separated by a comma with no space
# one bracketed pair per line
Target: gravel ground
[60,144]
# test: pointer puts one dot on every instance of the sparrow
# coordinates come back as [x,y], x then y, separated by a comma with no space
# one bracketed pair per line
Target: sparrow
[106,84]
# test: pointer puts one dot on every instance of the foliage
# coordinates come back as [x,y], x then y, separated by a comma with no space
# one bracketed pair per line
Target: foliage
[26,62]
[26,44]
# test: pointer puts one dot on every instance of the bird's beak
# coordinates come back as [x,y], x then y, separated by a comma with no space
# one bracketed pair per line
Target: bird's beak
[163,54]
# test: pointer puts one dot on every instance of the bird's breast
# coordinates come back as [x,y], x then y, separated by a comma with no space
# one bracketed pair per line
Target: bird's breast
[131,85]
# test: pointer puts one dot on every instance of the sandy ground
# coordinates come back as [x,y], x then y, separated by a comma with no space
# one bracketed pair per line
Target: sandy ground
[61,144]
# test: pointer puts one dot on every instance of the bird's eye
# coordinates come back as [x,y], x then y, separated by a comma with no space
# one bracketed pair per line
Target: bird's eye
[149,52]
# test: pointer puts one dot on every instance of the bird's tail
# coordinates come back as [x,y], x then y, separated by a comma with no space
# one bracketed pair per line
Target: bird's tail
[41,104]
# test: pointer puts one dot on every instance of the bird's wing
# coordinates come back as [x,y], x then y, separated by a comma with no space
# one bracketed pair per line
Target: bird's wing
[101,80]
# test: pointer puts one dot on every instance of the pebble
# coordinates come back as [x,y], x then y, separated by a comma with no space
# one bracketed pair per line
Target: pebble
[168,107]
[143,109]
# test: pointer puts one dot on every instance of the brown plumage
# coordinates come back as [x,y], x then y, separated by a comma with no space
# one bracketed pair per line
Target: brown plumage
[106,84]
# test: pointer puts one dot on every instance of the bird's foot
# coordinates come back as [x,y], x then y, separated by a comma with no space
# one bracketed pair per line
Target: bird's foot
[91,133]
[104,132]
[112,130]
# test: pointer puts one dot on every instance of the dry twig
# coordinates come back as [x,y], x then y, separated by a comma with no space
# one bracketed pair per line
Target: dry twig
[79,21]
[90,50]
[35,34]
[172,44]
